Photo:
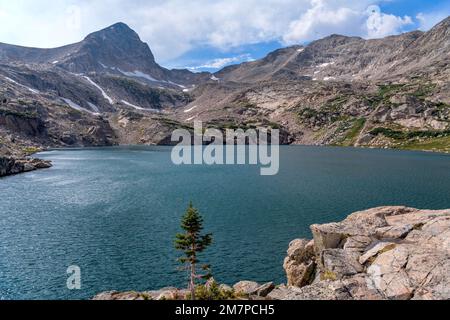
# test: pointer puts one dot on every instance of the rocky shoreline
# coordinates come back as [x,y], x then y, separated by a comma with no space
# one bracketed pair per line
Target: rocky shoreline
[11,166]
[385,253]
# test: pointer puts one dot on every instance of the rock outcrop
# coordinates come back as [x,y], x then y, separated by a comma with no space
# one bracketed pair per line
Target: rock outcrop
[10,166]
[253,289]
[394,253]
[162,294]
[386,253]
[299,264]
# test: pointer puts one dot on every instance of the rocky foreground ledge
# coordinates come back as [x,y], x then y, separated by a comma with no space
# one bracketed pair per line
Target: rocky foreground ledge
[393,253]
[10,166]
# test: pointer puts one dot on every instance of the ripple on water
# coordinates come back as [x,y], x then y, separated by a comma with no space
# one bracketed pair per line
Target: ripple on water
[114,212]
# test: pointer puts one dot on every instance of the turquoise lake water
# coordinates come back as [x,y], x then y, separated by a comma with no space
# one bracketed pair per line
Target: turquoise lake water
[114,213]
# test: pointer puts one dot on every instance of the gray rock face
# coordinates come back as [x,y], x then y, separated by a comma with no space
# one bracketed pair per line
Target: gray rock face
[394,253]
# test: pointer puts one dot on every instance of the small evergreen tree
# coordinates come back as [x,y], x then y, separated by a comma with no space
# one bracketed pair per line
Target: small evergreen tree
[192,242]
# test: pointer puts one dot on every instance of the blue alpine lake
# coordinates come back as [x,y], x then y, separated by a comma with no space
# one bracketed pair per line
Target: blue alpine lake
[114,212]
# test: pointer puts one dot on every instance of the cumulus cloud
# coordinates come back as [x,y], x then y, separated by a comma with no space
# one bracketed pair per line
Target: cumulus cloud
[320,20]
[344,17]
[380,24]
[174,27]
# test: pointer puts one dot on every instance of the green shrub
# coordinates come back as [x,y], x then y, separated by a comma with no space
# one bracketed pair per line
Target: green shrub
[424,90]
[31,150]
[212,292]
[328,275]
[354,131]
[401,135]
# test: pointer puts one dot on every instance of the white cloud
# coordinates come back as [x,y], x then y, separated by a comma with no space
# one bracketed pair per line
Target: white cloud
[321,20]
[173,27]
[344,17]
[222,62]
[380,24]
[429,20]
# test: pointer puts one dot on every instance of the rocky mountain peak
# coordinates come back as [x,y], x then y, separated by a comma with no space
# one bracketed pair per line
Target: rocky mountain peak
[116,47]
[118,34]
[333,41]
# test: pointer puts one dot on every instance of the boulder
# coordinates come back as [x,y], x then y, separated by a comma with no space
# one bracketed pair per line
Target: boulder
[300,263]
[394,232]
[246,288]
[125,296]
[27,167]
[357,244]
[41,164]
[387,274]
[338,263]
[319,291]
[265,289]
[279,293]
[168,293]
[375,250]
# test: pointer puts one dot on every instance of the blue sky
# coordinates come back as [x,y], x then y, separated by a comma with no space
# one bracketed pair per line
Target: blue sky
[210,34]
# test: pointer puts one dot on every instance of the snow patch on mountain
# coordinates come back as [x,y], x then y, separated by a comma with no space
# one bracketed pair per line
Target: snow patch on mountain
[76,106]
[139,108]
[326,64]
[110,100]
[190,109]
[137,74]
[21,85]
[132,105]
[93,107]
[142,75]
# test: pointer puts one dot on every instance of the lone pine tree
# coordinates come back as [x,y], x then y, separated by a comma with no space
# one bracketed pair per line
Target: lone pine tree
[192,242]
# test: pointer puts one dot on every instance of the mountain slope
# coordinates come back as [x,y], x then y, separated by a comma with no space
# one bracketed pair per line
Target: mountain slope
[352,59]
[108,89]
[116,49]
[391,92]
